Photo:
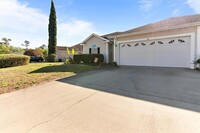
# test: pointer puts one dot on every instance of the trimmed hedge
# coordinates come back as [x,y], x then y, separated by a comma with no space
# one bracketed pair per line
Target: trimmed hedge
[11,60]
[88,58]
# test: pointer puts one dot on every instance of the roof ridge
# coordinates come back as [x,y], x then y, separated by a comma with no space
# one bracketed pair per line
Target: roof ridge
[169,22]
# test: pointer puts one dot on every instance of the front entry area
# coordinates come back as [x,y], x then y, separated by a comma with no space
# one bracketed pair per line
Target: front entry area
[169,52]
[111,52]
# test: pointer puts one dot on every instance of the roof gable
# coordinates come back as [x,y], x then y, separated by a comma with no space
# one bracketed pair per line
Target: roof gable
[94,35]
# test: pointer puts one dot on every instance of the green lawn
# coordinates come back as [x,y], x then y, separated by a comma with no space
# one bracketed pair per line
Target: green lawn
[15,78]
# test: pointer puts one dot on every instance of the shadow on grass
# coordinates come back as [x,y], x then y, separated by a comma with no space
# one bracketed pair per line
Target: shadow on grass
[75,68]
[135,83]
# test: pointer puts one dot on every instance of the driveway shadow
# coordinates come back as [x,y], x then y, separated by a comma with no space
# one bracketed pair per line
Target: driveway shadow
[63,68]
[175,87]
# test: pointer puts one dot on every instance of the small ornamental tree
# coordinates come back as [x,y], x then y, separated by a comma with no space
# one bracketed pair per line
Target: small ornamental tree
[52,32]
[43,51]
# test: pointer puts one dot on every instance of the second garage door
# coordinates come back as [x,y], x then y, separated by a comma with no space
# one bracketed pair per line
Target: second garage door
[171,52]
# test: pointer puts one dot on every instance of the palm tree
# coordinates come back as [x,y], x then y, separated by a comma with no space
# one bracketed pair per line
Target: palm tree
[26,44]
[43,46]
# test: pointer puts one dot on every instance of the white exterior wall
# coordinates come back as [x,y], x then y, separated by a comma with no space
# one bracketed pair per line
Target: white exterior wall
[100,43]
[198,42]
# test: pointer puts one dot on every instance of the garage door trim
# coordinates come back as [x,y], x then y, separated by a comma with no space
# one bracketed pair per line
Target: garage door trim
[192,44]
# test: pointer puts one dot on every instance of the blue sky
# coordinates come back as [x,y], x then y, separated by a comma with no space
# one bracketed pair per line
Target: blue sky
[28,19]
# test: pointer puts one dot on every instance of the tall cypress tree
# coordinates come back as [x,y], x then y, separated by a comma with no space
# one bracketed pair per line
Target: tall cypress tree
[52,30]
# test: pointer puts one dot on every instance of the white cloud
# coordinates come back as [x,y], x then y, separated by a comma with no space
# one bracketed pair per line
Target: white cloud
[194,4]
[149,5]
[75,31]
[176,12]
[146,5]
[21,22]
[20,17]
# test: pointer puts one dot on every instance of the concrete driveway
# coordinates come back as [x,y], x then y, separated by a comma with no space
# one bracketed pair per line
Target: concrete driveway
[124,100]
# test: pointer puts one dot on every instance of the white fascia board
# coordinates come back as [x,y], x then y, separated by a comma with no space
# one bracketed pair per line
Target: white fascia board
[93,34]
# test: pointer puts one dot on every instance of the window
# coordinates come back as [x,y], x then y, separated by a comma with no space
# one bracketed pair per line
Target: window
[94,49]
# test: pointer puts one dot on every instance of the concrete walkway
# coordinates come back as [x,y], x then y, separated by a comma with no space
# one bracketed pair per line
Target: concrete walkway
[60,107]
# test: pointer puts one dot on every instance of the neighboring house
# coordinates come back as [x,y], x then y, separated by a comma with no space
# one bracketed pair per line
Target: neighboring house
[62,51]
[174,42]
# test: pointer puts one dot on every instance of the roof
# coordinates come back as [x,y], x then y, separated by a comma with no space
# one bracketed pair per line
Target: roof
[112,34]
[100,37]
[77,47]
[61,48]
[171,23]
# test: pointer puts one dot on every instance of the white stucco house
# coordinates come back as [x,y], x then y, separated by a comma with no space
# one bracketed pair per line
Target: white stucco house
[174,42]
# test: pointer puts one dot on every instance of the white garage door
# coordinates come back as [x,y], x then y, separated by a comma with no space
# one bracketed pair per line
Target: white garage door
[172,52]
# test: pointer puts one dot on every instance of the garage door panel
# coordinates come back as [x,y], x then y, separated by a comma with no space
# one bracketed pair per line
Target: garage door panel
[175,54]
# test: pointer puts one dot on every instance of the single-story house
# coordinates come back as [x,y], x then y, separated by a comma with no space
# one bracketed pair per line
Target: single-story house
[174,42]
[63,54]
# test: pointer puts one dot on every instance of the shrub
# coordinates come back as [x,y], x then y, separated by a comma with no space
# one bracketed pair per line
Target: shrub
[198,61]
[69,60]
[4,49]
[33,52]
[114,64]
[11,60]
[52,58]
[88,58]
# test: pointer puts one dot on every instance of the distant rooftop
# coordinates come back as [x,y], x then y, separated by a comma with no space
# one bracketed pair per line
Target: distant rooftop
[76,47]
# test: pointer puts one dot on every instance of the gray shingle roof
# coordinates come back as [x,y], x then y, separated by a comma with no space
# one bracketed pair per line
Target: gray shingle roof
[171,22]
[77,47]
[112,34]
